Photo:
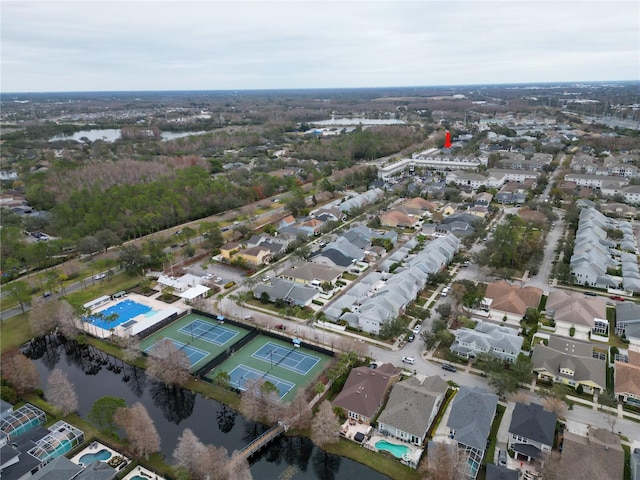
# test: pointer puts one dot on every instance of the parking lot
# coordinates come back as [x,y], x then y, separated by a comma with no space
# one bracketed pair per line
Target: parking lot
[216,270]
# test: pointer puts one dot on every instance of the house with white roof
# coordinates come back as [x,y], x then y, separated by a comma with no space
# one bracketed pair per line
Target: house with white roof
[503,343]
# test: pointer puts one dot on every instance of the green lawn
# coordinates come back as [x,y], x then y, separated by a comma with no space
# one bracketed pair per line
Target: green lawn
[117,283]
[14,332]
[488,458]
[376,461]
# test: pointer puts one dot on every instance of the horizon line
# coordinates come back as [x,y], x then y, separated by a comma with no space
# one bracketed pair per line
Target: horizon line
[302,89]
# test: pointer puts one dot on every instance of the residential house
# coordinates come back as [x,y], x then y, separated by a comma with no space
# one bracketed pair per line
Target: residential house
[483,199]
[228,249]
[61,468]
[627,379]
[502,300]
[584,314]
[569,362]
[628,321]
[417,206]
[634,463]
[397,218]
[291,293]
[312,273]
[254,256]
[498,472]
[412,407]
[503,343]
[470,419]
[531,431]
[340,253]
[313,226]
[365,391]
[36,447]
[598,455]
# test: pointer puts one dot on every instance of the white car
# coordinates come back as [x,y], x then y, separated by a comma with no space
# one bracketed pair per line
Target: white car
[417,328]
[409,360]
[100,276]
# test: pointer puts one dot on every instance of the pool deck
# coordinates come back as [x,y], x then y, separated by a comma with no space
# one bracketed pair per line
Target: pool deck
[412,458]
[96,447]
[142,472]
[152,302]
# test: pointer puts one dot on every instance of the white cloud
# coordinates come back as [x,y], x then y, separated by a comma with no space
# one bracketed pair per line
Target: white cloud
[140,45]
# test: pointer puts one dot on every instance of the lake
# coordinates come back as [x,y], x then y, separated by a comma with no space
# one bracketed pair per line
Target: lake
[96,374]
[113,134]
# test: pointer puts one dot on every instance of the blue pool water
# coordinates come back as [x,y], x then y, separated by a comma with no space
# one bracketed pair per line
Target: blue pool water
[395,449]
[138,477]
[151,313]
[122,312]
[101,455]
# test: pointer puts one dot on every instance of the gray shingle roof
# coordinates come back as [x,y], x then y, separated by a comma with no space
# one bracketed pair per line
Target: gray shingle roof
[411,403]
[534,423]
[471,416]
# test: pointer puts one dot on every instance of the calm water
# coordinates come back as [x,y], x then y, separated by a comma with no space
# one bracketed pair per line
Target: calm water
[96,374]
[113,134]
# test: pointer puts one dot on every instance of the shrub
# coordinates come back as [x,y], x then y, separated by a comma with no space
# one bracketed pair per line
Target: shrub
[572,331]
[316,302]
[579,389]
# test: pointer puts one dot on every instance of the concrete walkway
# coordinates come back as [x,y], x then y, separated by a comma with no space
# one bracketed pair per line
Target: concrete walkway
[502,438]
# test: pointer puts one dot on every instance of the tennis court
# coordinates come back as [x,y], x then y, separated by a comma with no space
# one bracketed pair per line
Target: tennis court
[209,338]
[215,334]
[276,360]
[289,358]
[242,375]
[194,354]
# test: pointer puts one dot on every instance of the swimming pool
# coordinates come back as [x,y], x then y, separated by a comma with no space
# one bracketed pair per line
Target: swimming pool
[118,314]
[396,450]
[101,455]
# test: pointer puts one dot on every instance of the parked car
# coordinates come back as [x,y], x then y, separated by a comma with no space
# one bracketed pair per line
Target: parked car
[411,338]
[591,294]
[502,458]
[218,279]
[373,365]
[248,317]
[417,328]
[449,368]
[281,327]
[617,297]
[100,276]
[409,360]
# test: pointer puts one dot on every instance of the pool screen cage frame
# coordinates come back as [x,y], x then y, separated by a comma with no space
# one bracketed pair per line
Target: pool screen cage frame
[46,448]
[23,415]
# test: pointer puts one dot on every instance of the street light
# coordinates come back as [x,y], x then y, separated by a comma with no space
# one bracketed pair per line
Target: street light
[271,355]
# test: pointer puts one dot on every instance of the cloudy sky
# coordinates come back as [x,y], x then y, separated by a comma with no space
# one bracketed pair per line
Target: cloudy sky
[217,45]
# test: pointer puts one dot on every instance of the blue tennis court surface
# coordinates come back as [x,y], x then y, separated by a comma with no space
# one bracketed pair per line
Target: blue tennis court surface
[194,354]
[289,358]
[119,313]
[242,375]
[208,332]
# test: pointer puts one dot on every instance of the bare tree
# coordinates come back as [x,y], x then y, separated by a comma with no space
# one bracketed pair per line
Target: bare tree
[66,319]
[213,464]
[130,346]
[554,401]
[141,432]
[325,426]
[443,463]
[238,467]
[189,451]
[260,401]
[61,393]
[298,413]
[168,364]
[42,316]
[550,469]
[20,372]
[250,403]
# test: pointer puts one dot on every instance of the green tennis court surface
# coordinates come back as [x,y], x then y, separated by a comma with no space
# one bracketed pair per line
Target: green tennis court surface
[277,361]
[201,338]
[242,376]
